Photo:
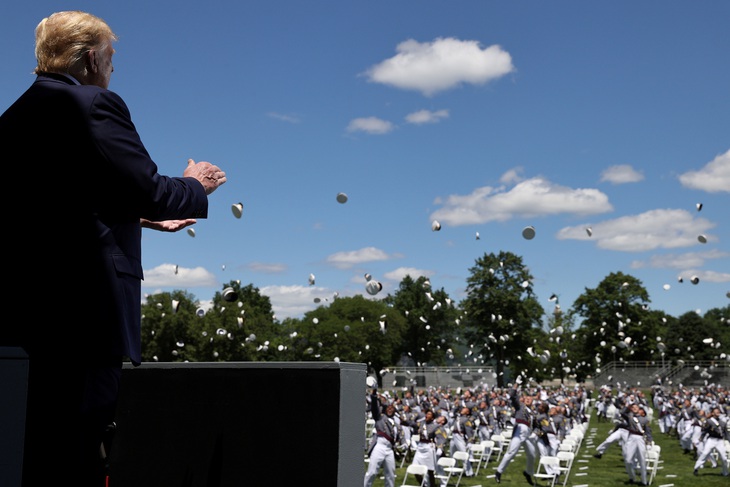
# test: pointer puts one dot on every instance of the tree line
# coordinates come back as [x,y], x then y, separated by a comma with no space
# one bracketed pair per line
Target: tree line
[499,323]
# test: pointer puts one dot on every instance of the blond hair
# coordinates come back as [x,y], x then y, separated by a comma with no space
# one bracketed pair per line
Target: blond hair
[62,39]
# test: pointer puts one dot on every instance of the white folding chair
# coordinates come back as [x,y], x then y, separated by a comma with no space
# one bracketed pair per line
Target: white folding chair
[548,468]
[568,445]
[369,428]
[652,464]
[478,454]
[444,466]
[566,464]
[499,445]
[488,450]
[463,457]
[415,470]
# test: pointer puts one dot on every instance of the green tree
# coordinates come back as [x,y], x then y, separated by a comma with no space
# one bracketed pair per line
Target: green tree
[695,337]
[166,334]
[562,345]
[239,326]
[502,314]
[612,321]
[430,317]
[353,329]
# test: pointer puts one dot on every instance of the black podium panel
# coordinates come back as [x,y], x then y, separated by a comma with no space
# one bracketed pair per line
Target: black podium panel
[14,386]
[240,424]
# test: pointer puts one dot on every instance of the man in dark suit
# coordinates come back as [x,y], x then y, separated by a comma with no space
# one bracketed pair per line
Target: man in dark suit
[84,187]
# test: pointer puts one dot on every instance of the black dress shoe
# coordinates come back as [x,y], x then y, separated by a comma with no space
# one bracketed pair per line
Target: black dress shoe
[696,472]
[597,455]
[498,477]
[529,478]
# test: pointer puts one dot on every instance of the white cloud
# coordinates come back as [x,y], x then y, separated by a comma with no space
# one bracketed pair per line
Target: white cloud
[283,117]
[398,274]
[345,260]
[512,176]
[713,276]
[680,261]
[425,116]
[528,199]
[713,177]
[620,174]
[292,301]
[370,125]
[664,228]
[445,63]
[267,268]
[170,275]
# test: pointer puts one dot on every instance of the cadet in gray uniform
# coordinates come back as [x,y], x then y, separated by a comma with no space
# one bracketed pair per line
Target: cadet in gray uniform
[521,436]
[387,437]
[462,433]
[639,436]
[715,430]
[431,440]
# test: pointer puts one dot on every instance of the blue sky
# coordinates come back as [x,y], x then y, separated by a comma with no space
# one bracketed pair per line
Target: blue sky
[486,116]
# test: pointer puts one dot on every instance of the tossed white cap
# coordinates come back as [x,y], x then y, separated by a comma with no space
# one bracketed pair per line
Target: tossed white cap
[373,287]
[435,226]
[702,238]
[191,232]
[237,209]
[229,294]
[341,198]
[371,381]
[528,232]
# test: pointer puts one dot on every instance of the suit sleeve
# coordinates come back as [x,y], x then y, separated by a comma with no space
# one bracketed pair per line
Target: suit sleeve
[137,187]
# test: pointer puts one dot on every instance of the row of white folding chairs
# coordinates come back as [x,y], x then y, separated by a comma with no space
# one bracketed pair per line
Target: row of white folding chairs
[549,468]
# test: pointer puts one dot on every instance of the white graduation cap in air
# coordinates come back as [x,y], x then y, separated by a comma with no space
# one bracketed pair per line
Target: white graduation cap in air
[311,279]
[435,226]
[373,287]
[237,209]
[341,198]
[528,232]
[229,294]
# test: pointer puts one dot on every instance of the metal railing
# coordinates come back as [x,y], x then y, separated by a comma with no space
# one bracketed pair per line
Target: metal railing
[637,373]
[443,377]
[689,373]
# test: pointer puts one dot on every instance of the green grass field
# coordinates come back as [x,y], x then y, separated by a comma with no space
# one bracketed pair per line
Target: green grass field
[674,470]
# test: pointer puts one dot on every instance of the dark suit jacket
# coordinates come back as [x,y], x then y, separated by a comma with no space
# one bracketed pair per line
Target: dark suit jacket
[77,181]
